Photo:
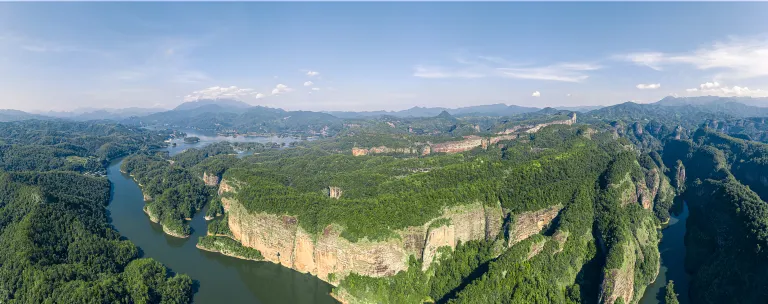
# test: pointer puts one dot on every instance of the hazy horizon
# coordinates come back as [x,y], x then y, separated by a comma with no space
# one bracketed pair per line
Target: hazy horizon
[377,56]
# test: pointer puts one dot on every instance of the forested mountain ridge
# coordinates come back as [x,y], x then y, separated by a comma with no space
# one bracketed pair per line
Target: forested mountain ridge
[536,207]
[56,244]
[295,205]
[728,223]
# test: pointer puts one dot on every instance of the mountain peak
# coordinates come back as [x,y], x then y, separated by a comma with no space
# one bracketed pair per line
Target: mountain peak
[224,103]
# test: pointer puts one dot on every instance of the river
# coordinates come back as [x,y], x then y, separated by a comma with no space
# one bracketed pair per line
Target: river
[221,279]
[672,249]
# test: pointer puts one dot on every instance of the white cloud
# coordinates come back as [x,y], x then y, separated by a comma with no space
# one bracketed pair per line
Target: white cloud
[536,94]
[567,72]
[315,89]
[217,92]
[259,95]
[650,86]
[716,89]
[437,72]
[735,59]
[736,91]
[568,95]
[308,83]
[281,88]
[709,85]
[312,73]
[497,67]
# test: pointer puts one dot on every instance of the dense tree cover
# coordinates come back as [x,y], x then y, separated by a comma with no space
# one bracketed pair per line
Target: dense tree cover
[446,276]
[670,297]
[219,226]
[258,120]
[228,246]
[174,185]
[728,224]
[192,157]
[86,147]
[381,194]
[175,193]
[560,273]
[565,264]
[56,245]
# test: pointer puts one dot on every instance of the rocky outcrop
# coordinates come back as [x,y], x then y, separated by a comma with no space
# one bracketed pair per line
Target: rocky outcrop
[623,283]
[497,139]
[653,181]
[224,187]
[533,128]
[538,127]
[426,150]
[469,143]
[211,179]
[330,257]
[680,177]
[383,150]
[334,192]
[644,196]
[620,283]
[527,224]
[463,223]
[147,197]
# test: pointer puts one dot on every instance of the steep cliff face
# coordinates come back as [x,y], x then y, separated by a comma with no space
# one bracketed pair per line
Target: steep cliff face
[538,127]
[653,182]
[384,150]
[620,283]
[469,143]
[640,252]
[211,179]
[533,128]
[331,257]
[680,177]
[334,192]
[529,223]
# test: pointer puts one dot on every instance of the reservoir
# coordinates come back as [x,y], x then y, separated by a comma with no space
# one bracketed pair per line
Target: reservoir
[221,279]
[672,249]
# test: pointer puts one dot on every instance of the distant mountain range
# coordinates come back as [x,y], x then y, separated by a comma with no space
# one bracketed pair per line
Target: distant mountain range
[218,111]
[223,103]
[498,109]
[83,114]
[713,100]
[14,115]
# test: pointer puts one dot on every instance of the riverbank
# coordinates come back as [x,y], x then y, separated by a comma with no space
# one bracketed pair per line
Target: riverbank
[672,252]
[229,247]
[221,278]
[167,230]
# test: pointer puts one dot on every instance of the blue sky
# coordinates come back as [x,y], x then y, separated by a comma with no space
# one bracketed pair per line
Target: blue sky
[371,56]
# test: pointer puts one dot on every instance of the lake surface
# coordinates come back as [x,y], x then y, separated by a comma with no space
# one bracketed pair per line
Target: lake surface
[221,279]
[206,139]
[672,249]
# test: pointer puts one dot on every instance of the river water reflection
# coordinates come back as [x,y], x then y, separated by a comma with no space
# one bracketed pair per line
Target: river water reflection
[222,279]
[672,249]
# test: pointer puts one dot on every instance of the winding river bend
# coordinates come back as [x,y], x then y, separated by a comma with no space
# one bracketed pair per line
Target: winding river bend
[672,249]
[221,279]
[224,279]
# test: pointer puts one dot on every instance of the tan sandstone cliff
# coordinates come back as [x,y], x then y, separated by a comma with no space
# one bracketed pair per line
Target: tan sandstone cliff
[330,257]
[211,179]
[468,143]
